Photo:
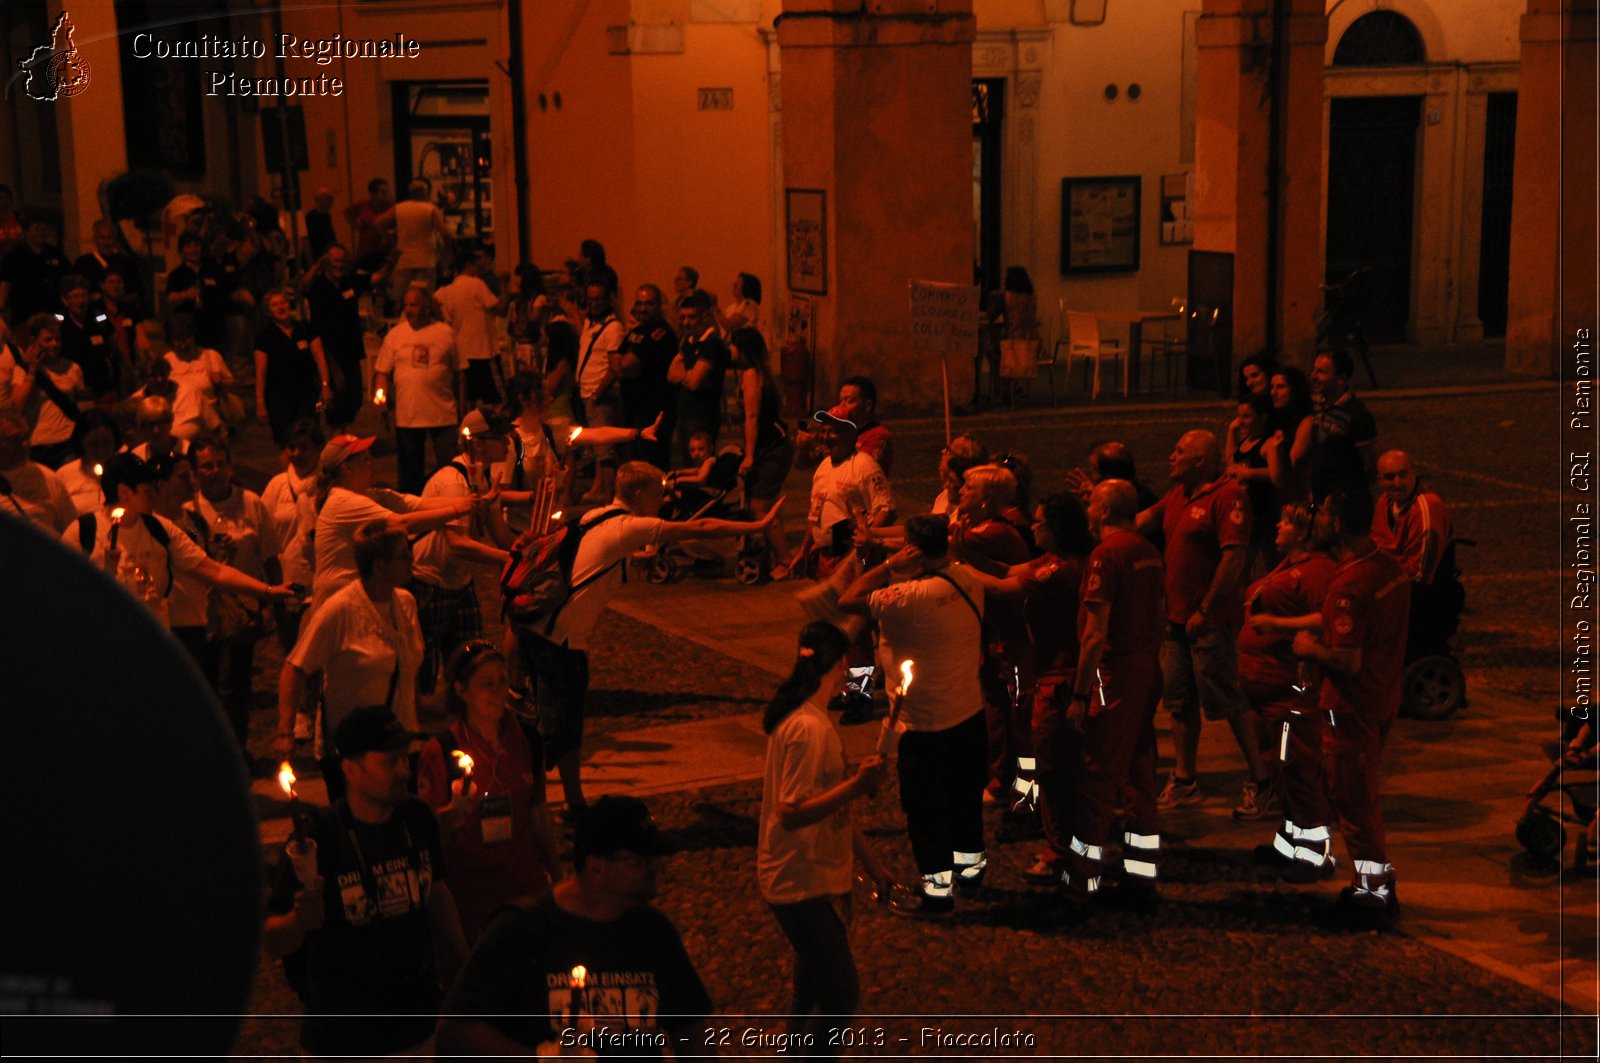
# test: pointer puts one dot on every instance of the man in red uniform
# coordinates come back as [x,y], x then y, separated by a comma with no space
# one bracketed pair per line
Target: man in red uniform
[1115,689]
[1361,653]
[1283,700]
[1413,524]
[1206,521]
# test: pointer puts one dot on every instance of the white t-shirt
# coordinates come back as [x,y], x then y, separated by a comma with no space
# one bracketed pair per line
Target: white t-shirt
[598,344]
[143,568]
[435,562]
[748,308]
[194,408]
[540,462]
[190,598]
[358,647]
[283,497]
[467,302]
[856,483]
[601,548]
[53,426]
[927,620]
[42,496]
[243,517]
[804,758]
[87,494]
[342,515]
[421,364]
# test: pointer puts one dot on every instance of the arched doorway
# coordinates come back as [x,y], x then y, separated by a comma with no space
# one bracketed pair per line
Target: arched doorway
[1372,171]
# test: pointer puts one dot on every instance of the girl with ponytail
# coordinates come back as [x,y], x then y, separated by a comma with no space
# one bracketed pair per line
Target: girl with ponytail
[803,860]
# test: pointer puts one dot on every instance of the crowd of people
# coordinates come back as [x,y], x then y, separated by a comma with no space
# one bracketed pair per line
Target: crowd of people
[1263,588]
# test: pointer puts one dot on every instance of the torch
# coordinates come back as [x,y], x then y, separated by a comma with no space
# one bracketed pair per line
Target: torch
[889,735]
[301,848]
[464,762]
[379,398]
[578,977]
[572,436]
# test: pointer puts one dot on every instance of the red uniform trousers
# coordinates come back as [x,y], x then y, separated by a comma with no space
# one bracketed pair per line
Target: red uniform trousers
[1006,714]
[1352,755]
[1055,756]
[1291,738]
[1117,757]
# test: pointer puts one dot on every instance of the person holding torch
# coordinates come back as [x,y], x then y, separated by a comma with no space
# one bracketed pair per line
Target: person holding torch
[803,858]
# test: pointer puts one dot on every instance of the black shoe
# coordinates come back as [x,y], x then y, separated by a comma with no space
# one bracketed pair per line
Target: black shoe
[1362,911]
[1138,896]
[925,907]
[1267,855]
[969,880]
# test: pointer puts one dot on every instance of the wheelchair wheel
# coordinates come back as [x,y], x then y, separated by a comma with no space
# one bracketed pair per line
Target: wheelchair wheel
[747,570]
[663,569]
[1541,836]
[1432,688]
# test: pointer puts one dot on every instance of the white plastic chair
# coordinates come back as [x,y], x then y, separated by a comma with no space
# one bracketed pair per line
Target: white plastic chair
[1083,341]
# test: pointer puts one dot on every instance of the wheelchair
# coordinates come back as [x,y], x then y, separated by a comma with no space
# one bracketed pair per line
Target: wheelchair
[1433,685]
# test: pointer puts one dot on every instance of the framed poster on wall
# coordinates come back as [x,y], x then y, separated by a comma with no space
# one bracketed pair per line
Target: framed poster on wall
[806,226]
[1099,224]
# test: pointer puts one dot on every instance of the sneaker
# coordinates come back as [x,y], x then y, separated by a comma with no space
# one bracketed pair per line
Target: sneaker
[1258,801]
[925,907]
[1179,794]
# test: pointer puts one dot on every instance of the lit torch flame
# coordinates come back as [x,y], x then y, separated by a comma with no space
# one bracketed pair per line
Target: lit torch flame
[463,761]
[118,513]
[378,397]
[99,470]
[572,436]
[286,779]
[466,433]
[905,676]
[556,516]
[580,975]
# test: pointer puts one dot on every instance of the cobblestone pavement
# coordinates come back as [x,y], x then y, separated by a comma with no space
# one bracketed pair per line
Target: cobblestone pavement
[1232,963]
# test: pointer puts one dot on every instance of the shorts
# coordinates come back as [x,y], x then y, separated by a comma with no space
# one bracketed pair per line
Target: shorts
[560,683]
[603,412]
[1201,673]
[768,472]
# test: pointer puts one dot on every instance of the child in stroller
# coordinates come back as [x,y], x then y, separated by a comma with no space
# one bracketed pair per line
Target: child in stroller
[1573,773]
[712,489]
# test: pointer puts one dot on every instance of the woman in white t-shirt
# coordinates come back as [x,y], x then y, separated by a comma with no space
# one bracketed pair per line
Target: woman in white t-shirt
[55,405]
[95,439]
[198,372]
[745,310]
[803,858]
[346,498]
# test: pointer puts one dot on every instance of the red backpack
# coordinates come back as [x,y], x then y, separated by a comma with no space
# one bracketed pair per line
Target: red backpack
[537,580]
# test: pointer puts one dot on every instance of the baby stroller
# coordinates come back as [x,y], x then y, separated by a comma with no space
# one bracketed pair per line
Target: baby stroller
[1574,773]
[1433,685]
[719,495]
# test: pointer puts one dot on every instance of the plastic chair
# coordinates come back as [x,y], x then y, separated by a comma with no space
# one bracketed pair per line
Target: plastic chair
[1083,336]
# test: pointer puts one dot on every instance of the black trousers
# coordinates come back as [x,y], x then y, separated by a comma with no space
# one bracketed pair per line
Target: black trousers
[942,775]
[826,988]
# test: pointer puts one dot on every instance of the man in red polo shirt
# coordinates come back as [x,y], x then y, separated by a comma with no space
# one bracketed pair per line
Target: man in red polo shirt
[1410,522]
[1361,654]
[1206,521]
[1115,690]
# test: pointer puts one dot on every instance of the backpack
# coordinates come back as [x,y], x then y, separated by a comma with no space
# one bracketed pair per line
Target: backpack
[537,578]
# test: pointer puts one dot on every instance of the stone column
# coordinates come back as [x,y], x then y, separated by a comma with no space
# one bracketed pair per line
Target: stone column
[93,145]
[877,113]
[1233,129]
[1551,291]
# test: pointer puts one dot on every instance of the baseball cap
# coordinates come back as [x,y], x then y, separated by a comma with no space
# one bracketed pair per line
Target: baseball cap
[616,824]
[370,729]
[838,415]
[341,447]
[485,426]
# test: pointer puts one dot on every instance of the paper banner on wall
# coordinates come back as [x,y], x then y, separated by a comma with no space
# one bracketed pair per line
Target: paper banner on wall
[944,317]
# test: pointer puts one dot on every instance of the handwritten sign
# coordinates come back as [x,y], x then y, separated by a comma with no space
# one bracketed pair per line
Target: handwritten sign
[944,317]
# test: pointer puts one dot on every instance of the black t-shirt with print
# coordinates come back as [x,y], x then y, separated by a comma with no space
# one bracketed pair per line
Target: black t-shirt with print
[639,979]
[373,957]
